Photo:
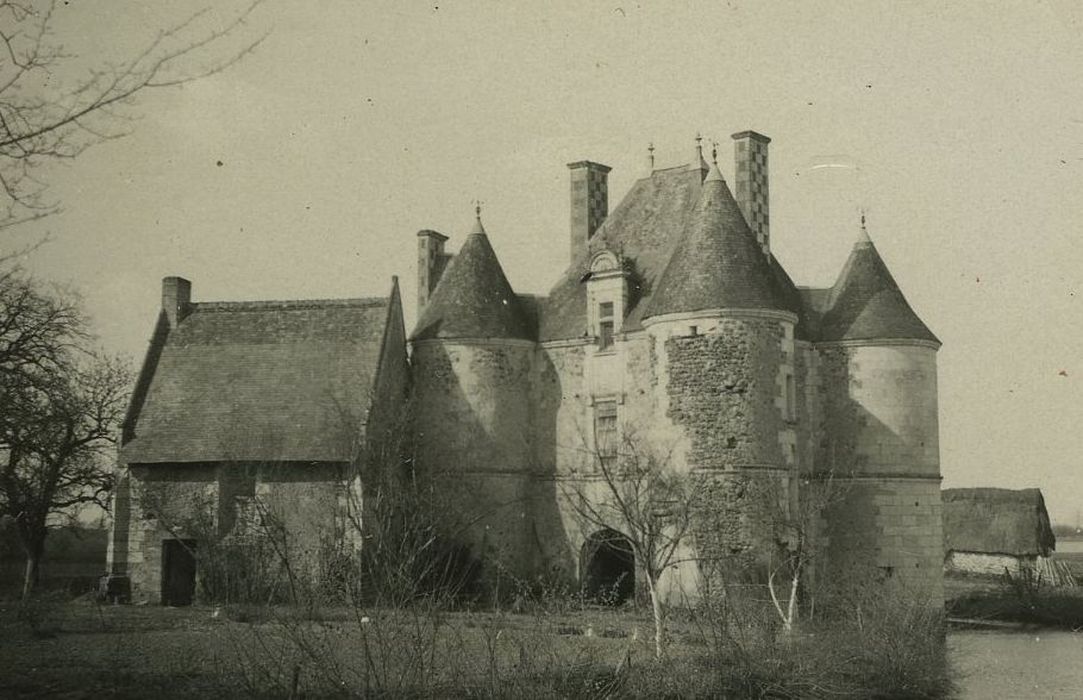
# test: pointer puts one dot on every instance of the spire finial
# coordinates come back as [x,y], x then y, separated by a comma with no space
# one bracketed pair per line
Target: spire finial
[650,155]
[863,238]
[697,161]
[478,228]
[714,152]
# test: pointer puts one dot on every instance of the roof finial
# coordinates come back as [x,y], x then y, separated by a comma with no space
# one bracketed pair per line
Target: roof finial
[478,228]
[650,155]
[714,152]
[698,163]
[864,236]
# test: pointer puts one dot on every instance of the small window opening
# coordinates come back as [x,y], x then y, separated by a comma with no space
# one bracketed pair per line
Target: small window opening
[605,433]
[731,443]
[605,325]
[791,398]
[605,334]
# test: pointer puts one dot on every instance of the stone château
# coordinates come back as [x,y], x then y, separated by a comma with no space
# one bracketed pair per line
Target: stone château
[673,326]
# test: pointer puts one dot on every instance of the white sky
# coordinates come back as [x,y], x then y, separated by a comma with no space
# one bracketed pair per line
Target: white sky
[357,123]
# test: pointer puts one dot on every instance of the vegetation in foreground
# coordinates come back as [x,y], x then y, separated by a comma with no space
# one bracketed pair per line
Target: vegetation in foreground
[555,648]
[1022,598]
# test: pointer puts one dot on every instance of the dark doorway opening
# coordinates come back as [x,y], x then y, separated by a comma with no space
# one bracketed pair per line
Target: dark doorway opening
[178,572]
[609,568]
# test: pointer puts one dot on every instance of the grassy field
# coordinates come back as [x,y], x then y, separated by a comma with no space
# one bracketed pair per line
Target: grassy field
[80,649]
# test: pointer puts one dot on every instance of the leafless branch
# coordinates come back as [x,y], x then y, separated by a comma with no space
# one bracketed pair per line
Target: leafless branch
[44,118]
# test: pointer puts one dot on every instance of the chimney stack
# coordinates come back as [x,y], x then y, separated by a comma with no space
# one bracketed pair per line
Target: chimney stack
[590,202]
[750,149]
[176,296]
[431,262]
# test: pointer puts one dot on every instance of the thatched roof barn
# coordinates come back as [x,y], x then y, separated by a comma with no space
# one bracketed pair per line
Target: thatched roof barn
[987,529]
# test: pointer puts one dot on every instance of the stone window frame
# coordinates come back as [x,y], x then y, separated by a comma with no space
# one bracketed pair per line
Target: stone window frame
[789,398]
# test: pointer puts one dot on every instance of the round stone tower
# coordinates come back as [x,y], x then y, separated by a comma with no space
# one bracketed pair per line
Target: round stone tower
[472,361]
[724,338]
[879,438]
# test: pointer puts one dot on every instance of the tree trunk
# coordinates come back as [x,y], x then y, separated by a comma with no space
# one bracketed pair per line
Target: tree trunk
[791,613]
[659,617]
[33,571]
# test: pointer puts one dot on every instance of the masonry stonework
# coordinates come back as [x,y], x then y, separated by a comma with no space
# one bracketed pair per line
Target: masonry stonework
[674,328]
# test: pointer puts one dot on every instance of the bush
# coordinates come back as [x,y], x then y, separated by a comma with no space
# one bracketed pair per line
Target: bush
[1016,601]
[879,643]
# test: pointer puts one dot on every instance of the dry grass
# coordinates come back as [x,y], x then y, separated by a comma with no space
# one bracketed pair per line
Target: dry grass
[82,649]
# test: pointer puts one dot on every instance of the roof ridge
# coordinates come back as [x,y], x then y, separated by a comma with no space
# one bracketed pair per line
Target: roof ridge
[288,304]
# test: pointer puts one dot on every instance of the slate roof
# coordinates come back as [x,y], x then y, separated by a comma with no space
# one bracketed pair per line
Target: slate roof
[718,263]
[646,229]
[867,304]
[997,521]
[473,298]
[260,381]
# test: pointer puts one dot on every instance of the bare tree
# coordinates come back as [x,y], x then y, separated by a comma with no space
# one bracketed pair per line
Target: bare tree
[636,491]
[60,406]
[800,507]
[46,116]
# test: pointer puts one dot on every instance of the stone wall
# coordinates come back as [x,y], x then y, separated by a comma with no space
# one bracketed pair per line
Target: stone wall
[473,413]
[888,527]
[213,503]
[880,440]
[880,410]
[986,563]
[721,389]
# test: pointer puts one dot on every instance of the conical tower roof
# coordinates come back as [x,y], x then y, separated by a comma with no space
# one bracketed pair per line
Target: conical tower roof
[473,298]
[718,264]
[867,304]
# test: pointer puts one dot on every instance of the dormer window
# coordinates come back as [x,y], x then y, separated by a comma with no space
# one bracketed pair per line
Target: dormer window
[607,297]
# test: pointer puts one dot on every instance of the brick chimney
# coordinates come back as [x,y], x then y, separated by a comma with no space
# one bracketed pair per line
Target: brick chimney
[176,296]
[590,202]
[431,262]
[750,150]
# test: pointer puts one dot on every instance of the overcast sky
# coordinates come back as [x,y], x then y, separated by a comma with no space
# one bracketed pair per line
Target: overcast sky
[306,170]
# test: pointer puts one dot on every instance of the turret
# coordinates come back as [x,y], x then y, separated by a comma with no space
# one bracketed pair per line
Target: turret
[472,356]
[724,339]
[878,370]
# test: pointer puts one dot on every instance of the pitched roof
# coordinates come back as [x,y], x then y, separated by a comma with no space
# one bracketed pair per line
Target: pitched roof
[996,521]
[646,229]
[473,298]
[867,304]
[260,381]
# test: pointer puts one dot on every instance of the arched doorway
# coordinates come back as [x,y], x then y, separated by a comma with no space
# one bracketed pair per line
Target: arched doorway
[608,567]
